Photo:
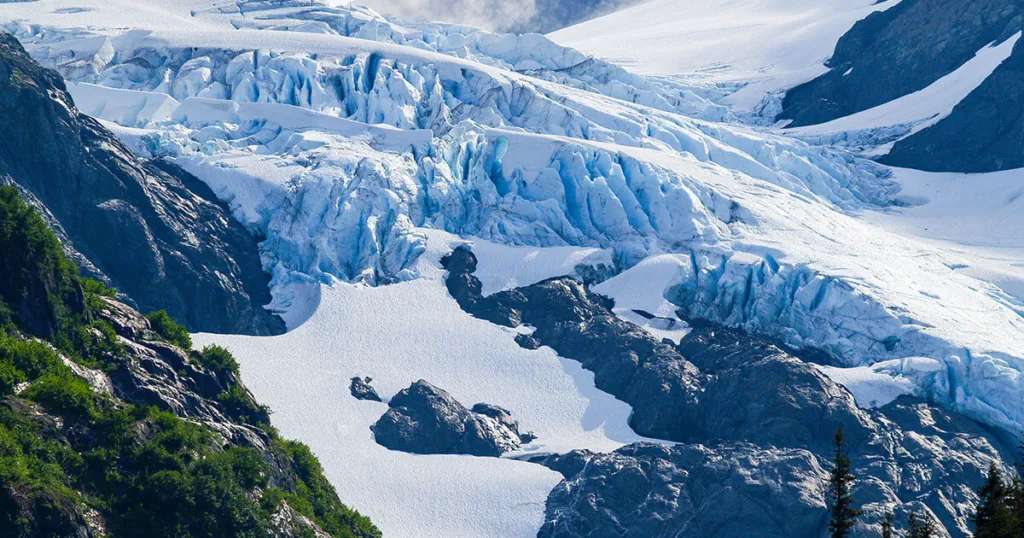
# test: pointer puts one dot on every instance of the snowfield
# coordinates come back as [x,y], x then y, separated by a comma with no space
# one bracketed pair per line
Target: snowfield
[761,46]
[414,330]
[363,149]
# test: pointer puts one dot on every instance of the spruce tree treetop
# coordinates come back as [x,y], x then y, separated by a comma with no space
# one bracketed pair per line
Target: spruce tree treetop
[993,517]
[841,478]
[921,526]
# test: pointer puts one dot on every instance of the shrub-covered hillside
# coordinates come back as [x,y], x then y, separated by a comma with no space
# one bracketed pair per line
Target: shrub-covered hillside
[108,427]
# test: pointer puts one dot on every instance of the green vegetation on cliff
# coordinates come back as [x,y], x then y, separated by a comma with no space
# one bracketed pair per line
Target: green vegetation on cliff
[75,459]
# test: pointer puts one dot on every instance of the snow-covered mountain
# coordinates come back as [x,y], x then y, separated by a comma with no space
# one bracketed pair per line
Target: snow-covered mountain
[642,159]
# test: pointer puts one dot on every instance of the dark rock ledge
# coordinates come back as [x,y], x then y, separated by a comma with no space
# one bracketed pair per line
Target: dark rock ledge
[753,422]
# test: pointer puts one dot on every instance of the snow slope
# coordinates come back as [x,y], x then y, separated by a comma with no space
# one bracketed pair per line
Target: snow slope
[765,45]
[977,218]
[413,330]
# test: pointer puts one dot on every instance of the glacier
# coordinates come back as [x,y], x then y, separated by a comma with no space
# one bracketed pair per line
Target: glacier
[360,148]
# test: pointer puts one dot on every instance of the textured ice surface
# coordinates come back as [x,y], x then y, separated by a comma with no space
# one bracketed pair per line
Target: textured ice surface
[883,382]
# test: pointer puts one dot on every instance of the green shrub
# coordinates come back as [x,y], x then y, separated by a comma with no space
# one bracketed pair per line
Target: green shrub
[96,287]
[218,360]
[9,378]
[169,329]
[94,345]
[241,407]
[316,498]
[31,357]
[94,291]
[64,394]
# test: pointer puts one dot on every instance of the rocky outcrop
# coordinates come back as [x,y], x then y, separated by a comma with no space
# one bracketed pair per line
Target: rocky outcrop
[984,133]
[154,231]
[661,385]
[155,373]
[362,390]
[424,419]
[915,458]
[896,52]
[899,51]
[647,491]
[754,421]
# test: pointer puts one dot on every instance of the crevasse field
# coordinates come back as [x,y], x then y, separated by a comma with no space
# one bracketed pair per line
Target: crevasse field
[363,149]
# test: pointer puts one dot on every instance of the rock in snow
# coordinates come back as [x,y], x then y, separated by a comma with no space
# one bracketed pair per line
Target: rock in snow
[424,419]
[362,390]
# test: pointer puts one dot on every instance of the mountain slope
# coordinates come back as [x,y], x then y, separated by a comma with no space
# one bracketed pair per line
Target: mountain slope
[902,56]
[908,47]
[157,233]
[986,129]
[756,47]
[108,429]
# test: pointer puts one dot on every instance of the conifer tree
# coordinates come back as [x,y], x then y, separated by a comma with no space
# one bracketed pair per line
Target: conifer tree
[841,478]
[993,517]
[1016,495]
[888,523]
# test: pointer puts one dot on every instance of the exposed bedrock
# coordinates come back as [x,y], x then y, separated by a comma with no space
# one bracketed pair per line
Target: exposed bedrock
[754,422]
[153,230]
[362,390]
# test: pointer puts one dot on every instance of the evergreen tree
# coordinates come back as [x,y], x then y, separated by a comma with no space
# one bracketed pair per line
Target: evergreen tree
[993,517]
[1016,505]
[1016,495]
[921,526]
[841,478]
[888,523]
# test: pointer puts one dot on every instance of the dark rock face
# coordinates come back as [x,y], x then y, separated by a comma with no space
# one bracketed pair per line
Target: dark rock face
[907,463]
[156,232]
[985,132]
[661,385]
[424,419]
[362,390]
[162,375]
[898,51]
[904,49]
[645,491]
[755,422]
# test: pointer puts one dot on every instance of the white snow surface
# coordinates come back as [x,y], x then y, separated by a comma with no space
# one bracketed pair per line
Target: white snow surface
[764,45]
[883,382]
[363,148]
[414,330]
